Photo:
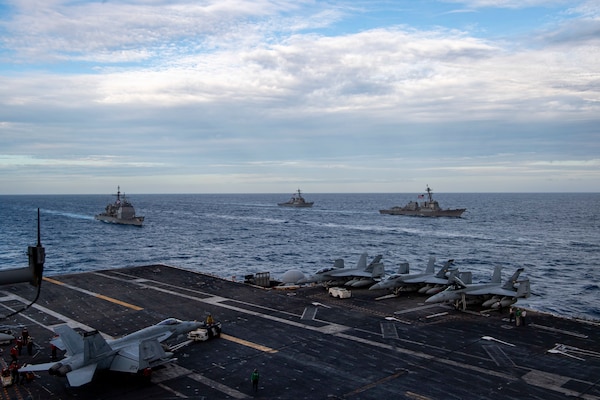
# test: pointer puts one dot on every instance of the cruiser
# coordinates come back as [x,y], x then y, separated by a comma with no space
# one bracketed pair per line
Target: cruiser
[120,212]
[429,208]
[296,201]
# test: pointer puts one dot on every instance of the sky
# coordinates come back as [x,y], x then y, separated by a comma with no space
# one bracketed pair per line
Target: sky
[269,96]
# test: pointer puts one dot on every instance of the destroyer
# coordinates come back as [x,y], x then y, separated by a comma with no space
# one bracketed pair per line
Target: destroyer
[120,212]
[296,201]
[430,208]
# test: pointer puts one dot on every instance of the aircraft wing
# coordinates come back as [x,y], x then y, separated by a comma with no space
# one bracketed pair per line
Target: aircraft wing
[438,281]
[138,355]
[414,279]
[340,274]
[491,290]
[81,376]
[127,359]
[502,292]
[352,274]
[37,367]
[151,351]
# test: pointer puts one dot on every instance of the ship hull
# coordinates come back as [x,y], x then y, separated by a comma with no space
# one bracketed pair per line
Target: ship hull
[137,221]
[305,205]
[457,213]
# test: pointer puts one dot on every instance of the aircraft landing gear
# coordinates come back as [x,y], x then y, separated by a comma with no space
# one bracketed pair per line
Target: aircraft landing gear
[462,301]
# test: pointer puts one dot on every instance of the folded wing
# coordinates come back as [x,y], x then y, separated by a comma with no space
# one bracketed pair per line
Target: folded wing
[138,356]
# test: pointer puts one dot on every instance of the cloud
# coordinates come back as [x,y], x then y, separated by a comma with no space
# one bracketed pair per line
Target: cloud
[290,90]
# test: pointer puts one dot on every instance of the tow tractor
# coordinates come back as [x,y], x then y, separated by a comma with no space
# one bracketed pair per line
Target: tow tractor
[205,332]
[340,292]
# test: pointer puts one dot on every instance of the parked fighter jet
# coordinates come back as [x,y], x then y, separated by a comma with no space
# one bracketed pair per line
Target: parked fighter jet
[138,351]
[484,292]
[363,275]
[324,274]
[425,282]
[397,280]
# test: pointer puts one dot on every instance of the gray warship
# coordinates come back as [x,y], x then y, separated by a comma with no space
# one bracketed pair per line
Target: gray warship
[120,212]
[430,208]
[296,201]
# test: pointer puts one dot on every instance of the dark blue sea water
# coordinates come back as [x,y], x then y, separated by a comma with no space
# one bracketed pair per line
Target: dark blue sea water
[556,237]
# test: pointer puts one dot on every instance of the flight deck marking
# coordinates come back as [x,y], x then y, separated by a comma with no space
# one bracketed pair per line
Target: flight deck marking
[218,386]
[388,330]
[376,383]
[549,328]
[554,382]
[336,332]
[93,294]
[309,313]
[175,371]
[570,351]
[211,298]
[70,322]
[498,356]
[492,339]
[408,310]
[398,320]
[172,391]
[416,396]
[441,314]
[249,344]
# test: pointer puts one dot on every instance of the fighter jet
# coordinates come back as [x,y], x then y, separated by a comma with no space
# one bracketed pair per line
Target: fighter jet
[362,275]
[324,274]
[425,282]
[492,294]
[136,352]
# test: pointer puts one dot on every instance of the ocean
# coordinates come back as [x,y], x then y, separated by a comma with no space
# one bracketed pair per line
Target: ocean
[555,237]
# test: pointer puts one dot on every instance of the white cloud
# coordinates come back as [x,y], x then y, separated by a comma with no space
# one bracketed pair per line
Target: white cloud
[282,90]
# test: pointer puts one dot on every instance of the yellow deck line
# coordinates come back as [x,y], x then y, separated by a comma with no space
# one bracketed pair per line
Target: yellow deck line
[97,295]
[249,344]
[53,281]
[119,302]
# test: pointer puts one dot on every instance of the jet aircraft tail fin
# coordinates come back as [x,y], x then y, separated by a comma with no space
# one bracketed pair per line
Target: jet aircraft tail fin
[362,262]
[403,268]
[378,270]
[510,283]
[442,272]
[497,275]
[430,265]
[524,289]
[94,346]
[69,340]
[453,279]
[375,261]
[466,277]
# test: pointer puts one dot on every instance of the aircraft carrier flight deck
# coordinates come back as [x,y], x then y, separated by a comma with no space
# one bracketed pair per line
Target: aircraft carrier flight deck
[304,343]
